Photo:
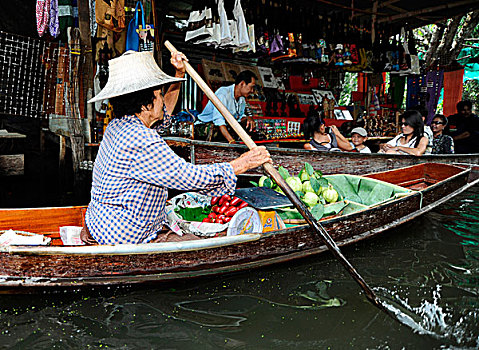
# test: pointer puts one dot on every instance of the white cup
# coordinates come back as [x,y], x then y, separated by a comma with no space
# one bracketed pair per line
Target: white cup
[70,235]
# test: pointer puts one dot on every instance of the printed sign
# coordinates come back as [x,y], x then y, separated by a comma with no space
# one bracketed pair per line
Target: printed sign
[320,94]
[213,70]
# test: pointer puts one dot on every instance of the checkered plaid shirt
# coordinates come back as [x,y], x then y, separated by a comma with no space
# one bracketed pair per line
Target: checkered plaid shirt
[133,170]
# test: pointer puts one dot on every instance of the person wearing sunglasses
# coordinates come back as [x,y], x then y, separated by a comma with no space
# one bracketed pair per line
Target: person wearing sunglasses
[411,140]
[427,129]
[442,144]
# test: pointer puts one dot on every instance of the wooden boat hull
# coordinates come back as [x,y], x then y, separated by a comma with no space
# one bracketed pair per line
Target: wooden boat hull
[62,266]
[202,152]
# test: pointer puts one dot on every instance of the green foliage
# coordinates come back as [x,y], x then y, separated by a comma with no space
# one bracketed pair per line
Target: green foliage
[471,93]
[350,84]
[318,211]
[283,172]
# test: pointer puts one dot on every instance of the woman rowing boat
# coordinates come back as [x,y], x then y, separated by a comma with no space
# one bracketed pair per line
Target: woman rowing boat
[134,167]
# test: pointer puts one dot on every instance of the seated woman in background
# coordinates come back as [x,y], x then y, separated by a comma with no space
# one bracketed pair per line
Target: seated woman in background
[411,140]
[323,138]
[442,144]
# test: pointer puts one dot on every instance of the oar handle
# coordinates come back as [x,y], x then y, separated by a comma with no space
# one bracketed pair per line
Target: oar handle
[271,170]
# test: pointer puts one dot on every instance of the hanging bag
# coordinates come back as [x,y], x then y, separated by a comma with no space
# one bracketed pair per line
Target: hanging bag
[111,14]
[132,36]
[226,37]
[200,25]
[242,28]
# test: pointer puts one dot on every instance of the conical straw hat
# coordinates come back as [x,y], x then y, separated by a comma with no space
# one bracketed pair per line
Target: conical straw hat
[133,71]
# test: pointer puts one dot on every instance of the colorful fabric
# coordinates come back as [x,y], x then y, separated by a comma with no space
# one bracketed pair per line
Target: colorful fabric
[414,84]
[93,24]
[65,18]
[226,94]
[434,81]
[54,23]
[396,89]
[43,15]
[443,144]
[133,171]
[453,85]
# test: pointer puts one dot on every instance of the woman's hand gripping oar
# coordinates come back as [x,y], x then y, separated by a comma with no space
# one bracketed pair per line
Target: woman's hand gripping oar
[271,170]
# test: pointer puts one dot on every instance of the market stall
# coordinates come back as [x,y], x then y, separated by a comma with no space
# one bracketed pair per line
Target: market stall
[302,52]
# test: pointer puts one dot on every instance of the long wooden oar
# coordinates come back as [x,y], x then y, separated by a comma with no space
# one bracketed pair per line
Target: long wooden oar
[271,170]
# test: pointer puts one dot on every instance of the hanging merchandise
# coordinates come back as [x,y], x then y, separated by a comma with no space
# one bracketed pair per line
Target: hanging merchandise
[242,29]
[396,90]
[139,37]
[43,15]
[453,88]
[226,37]
[111,14]
[132,37]
[276,44]
[65,18]
[252,42]
[414,84]
[234,33]
[93,24]
[200,24]
[147,38]
[434,86]
[54,22]
[415,65]
[215,38]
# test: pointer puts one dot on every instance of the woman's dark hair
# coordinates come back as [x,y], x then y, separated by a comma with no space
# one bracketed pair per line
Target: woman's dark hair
[131,103]
[442,117]
[414,119]
[312,123]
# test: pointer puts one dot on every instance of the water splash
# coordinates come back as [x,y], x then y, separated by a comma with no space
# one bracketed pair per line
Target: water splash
[430,318]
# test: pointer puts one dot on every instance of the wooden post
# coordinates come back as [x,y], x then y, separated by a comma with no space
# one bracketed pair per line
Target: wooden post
[74,121]
[156,24]
[61,165]
[86,61]
[373,21]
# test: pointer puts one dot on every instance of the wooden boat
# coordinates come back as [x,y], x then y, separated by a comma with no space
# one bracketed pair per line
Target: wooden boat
[73,266]
[202,152]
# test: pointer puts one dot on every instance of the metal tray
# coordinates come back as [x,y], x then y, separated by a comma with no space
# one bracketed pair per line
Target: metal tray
[263,198]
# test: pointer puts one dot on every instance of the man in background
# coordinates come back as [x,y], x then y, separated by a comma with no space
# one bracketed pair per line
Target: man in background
[234,98]
[466,134]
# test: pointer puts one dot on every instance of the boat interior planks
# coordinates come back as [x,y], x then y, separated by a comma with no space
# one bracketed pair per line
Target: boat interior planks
[203,152]
[44,221]
[75,266]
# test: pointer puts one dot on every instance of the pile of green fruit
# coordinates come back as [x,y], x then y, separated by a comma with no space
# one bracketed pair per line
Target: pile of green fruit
[310,186]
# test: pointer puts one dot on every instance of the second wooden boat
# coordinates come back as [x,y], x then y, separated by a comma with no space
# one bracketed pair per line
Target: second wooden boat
[202,152]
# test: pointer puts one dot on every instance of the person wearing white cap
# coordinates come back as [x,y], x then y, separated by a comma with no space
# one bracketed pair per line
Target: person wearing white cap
[358,137]
[135,167]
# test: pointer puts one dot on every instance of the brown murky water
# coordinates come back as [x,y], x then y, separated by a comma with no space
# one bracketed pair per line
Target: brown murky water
[428,268]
